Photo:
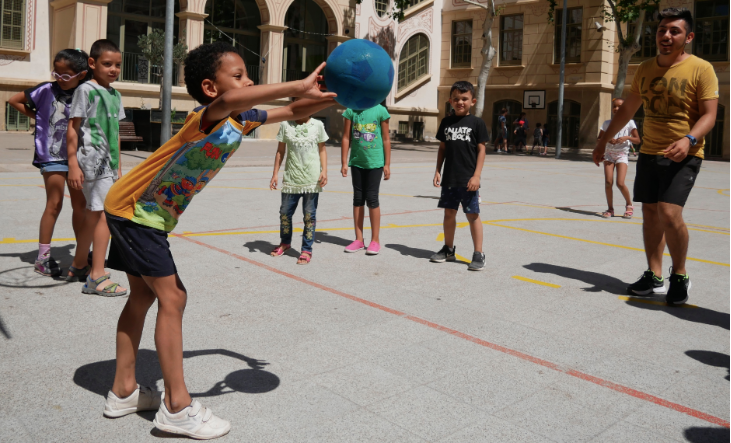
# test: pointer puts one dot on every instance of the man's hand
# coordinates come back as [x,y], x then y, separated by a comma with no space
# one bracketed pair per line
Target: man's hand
[598,153]
[312,89]
[678,150]
[386,172]
[273,183]
[437,179]
[344,170]
[473,184]
[322,180]
[76,177]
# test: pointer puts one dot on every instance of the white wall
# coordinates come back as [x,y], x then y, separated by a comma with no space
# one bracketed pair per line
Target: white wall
[36,65]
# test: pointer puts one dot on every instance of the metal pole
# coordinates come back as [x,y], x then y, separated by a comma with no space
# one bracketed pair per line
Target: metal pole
[561,80]
[167,72]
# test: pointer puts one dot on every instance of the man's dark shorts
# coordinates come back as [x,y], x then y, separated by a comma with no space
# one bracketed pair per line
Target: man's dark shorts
[452,197]
[139,250]
[659,179]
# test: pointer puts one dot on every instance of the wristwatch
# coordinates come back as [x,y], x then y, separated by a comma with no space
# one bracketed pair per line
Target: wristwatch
[692,139]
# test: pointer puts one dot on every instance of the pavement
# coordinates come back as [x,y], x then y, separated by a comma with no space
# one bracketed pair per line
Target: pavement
[544,346]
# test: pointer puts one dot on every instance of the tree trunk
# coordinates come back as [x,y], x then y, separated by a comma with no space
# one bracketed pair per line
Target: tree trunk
[625,54]
[488,53]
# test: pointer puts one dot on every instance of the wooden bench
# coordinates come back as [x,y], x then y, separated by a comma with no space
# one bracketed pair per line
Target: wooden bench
[127,133]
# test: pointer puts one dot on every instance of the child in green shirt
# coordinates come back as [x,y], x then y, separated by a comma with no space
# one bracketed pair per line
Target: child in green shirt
[305,173]
[366,135]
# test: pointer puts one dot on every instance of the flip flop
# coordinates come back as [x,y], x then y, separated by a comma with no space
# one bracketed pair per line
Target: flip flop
[280,250]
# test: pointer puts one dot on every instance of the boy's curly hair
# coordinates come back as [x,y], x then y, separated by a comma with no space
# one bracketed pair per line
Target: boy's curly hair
[202,63]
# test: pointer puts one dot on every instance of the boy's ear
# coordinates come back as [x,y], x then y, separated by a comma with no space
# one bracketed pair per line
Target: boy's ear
[92,63]
[209,88]
[474,100]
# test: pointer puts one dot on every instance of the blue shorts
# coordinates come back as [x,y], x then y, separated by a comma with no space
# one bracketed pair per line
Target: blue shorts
[62,166]
[139,250]
[452,197]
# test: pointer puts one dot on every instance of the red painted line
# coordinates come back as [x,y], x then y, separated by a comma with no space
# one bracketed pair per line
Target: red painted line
[521,355]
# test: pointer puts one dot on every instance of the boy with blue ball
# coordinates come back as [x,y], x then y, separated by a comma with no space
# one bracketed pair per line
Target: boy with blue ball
[462,153]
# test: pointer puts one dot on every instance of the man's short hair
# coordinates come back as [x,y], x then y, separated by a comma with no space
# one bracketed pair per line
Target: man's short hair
[678,14]
[202,63]
[101,46]
[462,87]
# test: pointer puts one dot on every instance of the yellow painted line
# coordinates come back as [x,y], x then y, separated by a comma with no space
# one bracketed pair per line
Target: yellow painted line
[12,240]
[490,223]
[652,302]
[462,259]
[538,282]
[589,220]
[722,192]
[440,236]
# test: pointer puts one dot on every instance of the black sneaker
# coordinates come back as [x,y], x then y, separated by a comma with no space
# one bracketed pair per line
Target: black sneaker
[648,284]
[444,254]
[678,290]
[478,262]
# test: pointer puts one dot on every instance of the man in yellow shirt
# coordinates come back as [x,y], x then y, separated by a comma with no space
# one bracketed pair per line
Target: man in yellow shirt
[679,93]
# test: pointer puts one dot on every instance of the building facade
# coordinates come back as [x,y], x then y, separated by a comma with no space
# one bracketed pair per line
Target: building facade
[525,70]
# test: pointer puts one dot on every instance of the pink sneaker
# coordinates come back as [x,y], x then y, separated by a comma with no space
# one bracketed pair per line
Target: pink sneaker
[373,249]
[355,246]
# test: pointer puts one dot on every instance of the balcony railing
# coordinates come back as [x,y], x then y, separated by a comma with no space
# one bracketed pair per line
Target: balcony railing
[290,75]
[136,69]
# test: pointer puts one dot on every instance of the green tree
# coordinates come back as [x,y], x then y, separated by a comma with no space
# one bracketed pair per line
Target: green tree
[153,48]
[628,12]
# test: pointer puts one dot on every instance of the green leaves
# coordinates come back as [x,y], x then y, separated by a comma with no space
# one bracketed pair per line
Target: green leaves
[153,48]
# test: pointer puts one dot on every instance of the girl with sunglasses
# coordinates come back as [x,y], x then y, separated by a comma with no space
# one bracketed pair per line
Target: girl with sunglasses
[48,103]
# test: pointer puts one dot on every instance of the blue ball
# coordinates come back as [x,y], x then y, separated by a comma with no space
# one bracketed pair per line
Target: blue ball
[360,72]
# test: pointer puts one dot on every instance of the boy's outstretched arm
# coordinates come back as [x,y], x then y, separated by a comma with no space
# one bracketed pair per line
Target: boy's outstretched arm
[474,183]
[236,101]
[386,149]
[298,110]
[440,162]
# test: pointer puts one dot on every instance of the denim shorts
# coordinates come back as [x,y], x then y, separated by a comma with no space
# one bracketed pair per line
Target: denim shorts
[452,197]
[62,166]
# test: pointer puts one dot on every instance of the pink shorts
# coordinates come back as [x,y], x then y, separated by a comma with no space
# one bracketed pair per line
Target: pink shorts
[616,157]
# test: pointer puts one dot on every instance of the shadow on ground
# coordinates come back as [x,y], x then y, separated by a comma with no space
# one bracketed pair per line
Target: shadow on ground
[265,247]
[707,435]
[4,329]
[62,255]
[324,237]
[696,315]
[599,282]
[579,211]
[98,377]
[409,251]
[710,358]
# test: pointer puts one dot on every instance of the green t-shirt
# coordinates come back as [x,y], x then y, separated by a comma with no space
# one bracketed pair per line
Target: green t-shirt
[302,168]
[366,143]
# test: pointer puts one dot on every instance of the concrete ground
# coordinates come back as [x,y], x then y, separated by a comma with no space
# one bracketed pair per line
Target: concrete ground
[543,346]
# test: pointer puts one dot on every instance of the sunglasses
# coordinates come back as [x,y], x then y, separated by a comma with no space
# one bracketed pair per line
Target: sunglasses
[65,77]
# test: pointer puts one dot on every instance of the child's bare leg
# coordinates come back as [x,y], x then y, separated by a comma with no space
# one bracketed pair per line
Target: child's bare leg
[621,174]
[358,216]
[375,216]
[100,244]
[129,333]
[608,183]
[475,230]
[55,182]
[78,205]
[85,237]
[450,225]
[171,297]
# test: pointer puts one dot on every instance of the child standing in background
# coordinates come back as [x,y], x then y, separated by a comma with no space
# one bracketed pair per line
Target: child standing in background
[537,136]
[366,135]
[94,163]
[49,103]
[305,173]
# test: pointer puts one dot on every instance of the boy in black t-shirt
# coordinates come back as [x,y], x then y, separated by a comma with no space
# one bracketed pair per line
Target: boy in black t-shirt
[462,152]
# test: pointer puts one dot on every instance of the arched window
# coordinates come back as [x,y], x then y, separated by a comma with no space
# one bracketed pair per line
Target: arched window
[570,123]
[514,108]
[303,51]
[239,19]
[714,140]
[381,7]
[414,61]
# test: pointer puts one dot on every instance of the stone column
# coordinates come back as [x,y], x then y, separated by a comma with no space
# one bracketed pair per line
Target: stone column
[77,23]
[272,48]
[191,33]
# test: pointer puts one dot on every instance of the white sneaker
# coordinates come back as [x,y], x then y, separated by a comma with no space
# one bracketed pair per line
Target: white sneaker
[142,399]
[194,421]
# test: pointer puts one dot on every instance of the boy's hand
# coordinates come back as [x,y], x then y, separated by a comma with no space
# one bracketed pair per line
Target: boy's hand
[473,184]
[273,183]
[323,179]
[437,179]
[344,171]
[386,172]
[76,177]
[678,150]
[312,89]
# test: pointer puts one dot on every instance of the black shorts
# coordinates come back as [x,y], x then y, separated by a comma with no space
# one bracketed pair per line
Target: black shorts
[659,179]
[366,185]
[452,197]
[139,250]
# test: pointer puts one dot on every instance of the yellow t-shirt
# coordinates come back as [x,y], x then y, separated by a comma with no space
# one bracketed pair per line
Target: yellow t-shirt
[157,191]
[670,97]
